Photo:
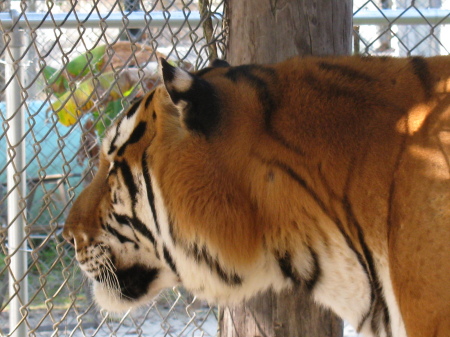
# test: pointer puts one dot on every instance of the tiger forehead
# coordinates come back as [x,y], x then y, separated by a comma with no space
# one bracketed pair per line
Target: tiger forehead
[131,125]
[129,129]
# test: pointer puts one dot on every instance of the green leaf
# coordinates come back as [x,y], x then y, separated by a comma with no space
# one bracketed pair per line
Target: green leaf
[81,65]
[128,92]
[70,105]
[92,92]
[56,80]
[112,110]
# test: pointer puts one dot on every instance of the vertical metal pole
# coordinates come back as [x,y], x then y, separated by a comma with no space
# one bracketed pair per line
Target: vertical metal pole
[16,184]
[29,72]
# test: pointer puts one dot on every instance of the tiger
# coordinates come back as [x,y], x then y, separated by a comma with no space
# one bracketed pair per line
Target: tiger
[331,173]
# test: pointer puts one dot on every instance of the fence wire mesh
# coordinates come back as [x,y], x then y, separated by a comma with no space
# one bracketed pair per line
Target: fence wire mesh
[401,27]
[67,68]
[72,66]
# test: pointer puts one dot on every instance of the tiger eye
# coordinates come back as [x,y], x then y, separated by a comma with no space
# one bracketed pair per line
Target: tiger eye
[270,176]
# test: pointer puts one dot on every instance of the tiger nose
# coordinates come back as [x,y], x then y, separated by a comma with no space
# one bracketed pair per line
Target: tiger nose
[68,236]
[78,235]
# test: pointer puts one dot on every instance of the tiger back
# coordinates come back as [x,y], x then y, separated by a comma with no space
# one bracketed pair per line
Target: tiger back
[328,172]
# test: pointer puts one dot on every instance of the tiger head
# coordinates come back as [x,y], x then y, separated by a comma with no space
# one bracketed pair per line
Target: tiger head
[125,238]
[113,223]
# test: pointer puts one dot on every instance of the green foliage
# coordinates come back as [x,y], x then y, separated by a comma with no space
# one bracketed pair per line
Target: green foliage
[92,90]
[89,62]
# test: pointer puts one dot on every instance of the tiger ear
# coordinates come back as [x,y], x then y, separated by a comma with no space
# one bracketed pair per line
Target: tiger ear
[218,63]
[193,96]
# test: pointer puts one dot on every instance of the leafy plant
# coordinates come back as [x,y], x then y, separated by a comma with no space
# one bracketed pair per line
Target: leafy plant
[98,80]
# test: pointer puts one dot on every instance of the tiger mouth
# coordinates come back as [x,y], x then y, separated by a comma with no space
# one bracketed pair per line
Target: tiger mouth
[129,283]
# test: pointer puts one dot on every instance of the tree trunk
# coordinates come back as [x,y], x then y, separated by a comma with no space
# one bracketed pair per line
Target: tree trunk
[269,31]
[289,314]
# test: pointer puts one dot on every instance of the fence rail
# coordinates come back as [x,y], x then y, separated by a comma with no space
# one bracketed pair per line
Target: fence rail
[408,16]
[45,161]
[137,19]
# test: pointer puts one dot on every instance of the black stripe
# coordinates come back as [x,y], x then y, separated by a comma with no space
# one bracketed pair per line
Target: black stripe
[115,199]
[136,224]
[285,263]
[202,255]
[268,103]
[247,70]
[172,229]
[149,188]
[120,237]
[387,320]
[112,146]
[421,70]
[217,63]
[204,71]
[302,182]
[149,99]
[128,181]
[377,297]
[132,110]
[378,304]
[289,171]
[169,260]
[345,71]
[380,318]
[136,135]
[316,271]
[246,73]
[122,219]
[331,91]
[231,279]
[140,226]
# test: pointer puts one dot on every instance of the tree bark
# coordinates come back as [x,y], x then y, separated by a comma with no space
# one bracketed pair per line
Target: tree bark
[269,31]
[289,314]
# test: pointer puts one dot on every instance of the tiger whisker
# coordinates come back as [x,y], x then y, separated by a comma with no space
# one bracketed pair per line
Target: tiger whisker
[110,279]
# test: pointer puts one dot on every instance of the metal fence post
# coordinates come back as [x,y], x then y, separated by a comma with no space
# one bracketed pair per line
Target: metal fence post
[16,185]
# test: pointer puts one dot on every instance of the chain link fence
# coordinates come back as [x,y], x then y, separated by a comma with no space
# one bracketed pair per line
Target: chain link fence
[67,68]
[401,27]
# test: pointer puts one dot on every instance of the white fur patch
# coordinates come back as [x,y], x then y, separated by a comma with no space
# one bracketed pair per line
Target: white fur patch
[182,81]
[117,135]
[397,324]
[343,285]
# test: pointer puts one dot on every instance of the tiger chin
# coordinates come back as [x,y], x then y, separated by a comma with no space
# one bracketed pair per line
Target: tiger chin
[327,173]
